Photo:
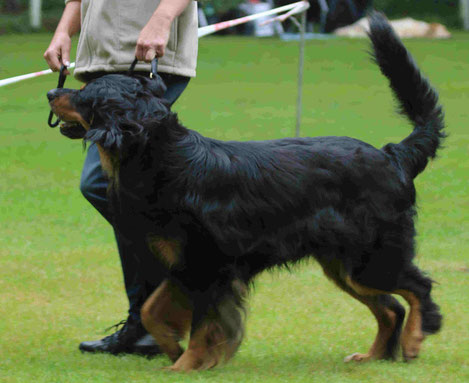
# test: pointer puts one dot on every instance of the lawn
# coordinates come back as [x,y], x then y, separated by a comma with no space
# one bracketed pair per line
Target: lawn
[60,278]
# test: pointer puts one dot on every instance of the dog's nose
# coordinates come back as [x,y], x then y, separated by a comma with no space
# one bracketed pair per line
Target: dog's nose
[52,94]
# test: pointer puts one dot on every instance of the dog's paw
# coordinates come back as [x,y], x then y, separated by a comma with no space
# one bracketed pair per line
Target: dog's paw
[179,369]
[357,357]
[170,369]
[411,344]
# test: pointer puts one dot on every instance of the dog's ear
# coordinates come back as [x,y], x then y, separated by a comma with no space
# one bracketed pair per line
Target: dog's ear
[112,133]
[108,135]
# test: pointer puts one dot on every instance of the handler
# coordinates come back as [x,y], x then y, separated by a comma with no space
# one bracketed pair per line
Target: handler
[113,33]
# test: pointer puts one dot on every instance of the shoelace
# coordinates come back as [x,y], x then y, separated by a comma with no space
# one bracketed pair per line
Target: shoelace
[116,326]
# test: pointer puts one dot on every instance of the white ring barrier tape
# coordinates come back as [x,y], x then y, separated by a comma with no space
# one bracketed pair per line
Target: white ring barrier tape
[294,8]
[11,80]
[298,7]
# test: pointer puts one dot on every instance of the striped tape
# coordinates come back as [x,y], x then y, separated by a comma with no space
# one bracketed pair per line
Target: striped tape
[294,8]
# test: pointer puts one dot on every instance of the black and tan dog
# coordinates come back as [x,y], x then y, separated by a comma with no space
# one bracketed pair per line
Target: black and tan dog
[218,213]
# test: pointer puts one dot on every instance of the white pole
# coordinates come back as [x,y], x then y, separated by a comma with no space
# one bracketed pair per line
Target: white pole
[35,13]
[464,4]
[301,60]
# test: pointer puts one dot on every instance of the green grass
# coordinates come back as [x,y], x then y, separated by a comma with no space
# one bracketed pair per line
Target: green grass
[60,278]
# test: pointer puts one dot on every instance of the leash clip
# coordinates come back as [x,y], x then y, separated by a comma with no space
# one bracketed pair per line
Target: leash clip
[154,67]
[62,78]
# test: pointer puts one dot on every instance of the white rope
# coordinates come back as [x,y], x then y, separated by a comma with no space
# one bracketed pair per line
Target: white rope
[294,8]
[11,80]
[298,7]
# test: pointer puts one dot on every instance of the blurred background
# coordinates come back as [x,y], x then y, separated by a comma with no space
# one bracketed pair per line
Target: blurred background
[24,16]
[60,277]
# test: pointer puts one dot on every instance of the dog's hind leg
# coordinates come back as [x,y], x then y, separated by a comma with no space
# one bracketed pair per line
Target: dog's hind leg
[389,314]
[424,317]
[167,316]
[216,332]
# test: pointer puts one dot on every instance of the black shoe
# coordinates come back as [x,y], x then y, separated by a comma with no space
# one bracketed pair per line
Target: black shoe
[132,338]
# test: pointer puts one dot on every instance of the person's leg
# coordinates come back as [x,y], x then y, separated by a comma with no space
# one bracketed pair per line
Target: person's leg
[175,86]
[138,285]
[93,186]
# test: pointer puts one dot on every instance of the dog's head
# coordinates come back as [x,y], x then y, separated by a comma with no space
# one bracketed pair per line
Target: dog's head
[109,108]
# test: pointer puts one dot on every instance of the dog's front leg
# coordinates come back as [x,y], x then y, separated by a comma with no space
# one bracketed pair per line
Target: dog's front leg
[167,315]
[217,331]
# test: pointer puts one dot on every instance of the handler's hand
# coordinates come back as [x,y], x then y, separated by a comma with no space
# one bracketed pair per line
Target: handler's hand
[153,39]
[58,52]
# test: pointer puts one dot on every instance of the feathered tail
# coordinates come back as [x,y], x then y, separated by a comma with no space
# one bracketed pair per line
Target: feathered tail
[418,101]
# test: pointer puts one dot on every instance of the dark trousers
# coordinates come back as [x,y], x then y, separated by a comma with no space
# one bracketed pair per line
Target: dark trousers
[141,274]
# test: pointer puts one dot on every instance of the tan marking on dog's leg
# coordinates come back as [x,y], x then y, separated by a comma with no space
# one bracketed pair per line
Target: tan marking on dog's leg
[385,318]
[218,337]
[167,249]
[362,290]
[412,336]
[206,349]
[386,323]
[167,316]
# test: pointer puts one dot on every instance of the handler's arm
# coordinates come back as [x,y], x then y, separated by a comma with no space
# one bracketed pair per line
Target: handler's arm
[155,35]
[60,45]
